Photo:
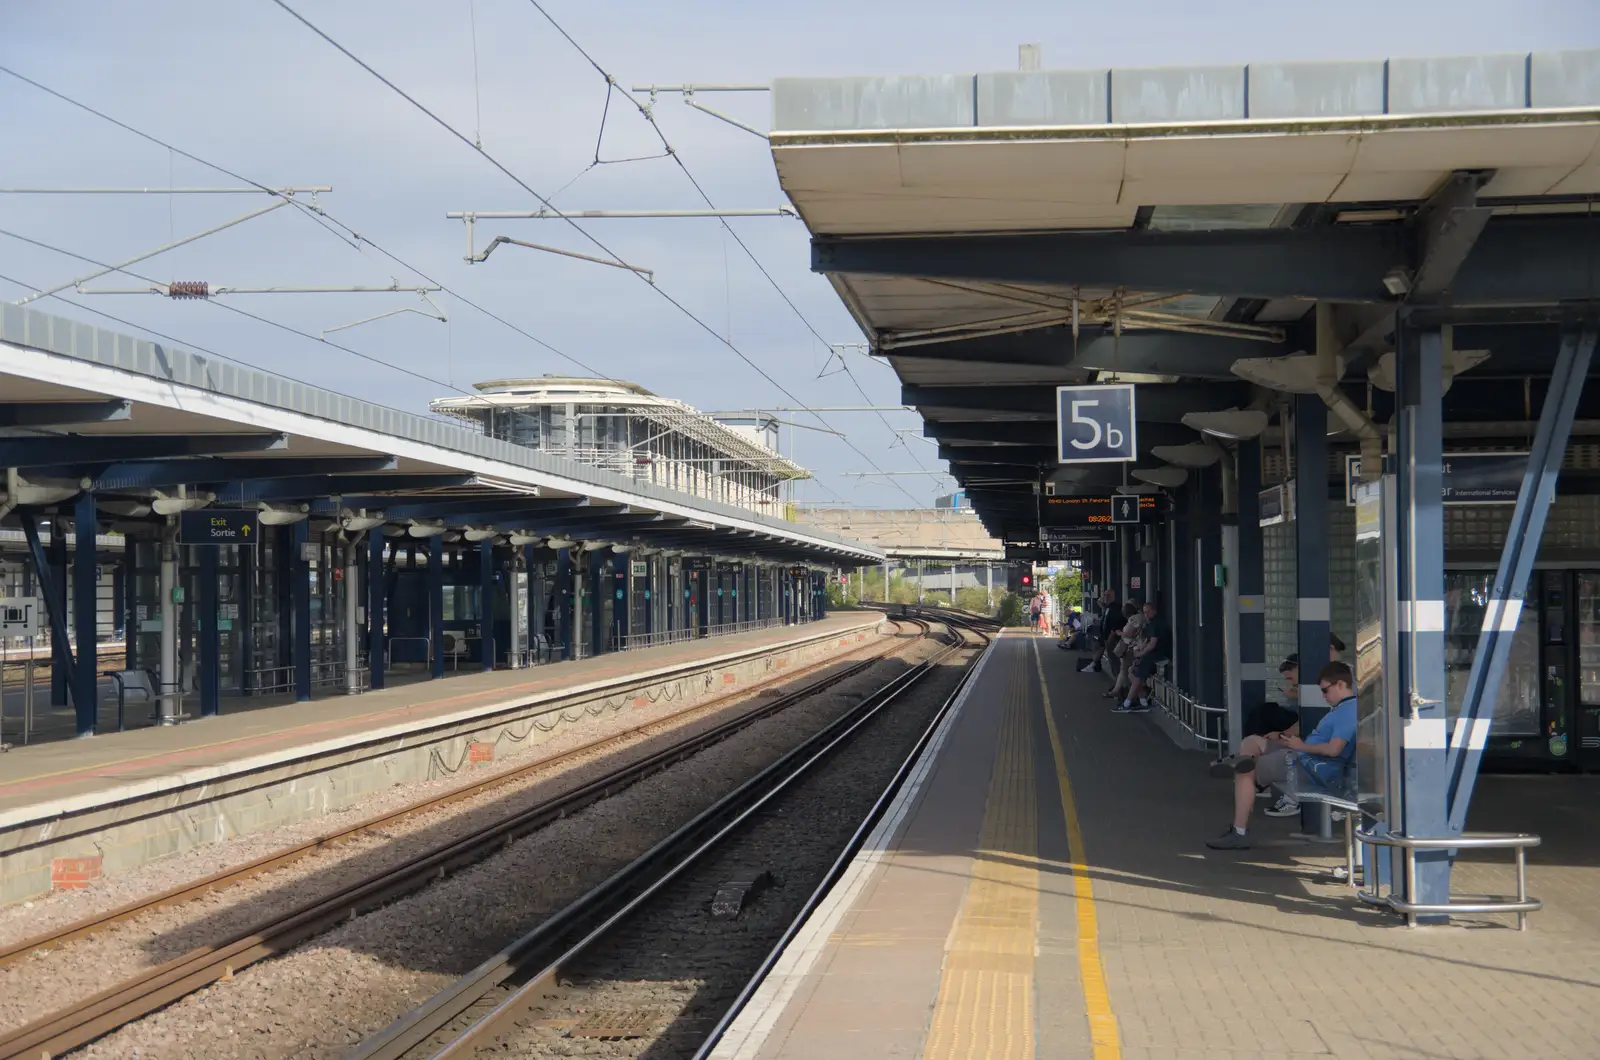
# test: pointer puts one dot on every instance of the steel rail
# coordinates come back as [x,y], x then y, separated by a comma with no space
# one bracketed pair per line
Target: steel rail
[100,1014]
[97,922]
[592,916]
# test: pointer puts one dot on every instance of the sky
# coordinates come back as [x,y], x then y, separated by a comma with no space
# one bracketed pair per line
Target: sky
[243,85]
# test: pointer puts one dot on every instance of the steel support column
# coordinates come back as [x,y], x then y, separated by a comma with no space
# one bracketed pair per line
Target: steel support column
[85,607]
[65,670]
[209,634]
[486,602]
[377,594]
[55,603]
[1233,667]
[1311,549]
[621,598]
[1419,550]
[300,586]
[436,606]
[1512,577]
[1254,671]
[564,603]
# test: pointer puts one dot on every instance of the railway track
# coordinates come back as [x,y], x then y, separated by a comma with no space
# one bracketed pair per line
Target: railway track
[481,1010]
[161,985]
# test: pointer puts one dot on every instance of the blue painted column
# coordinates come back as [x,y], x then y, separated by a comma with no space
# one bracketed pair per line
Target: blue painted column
[486,604]
[64,671]
[621,603]
[1419,550]
[1256,669]
[535,601]
[563,595]
[598,591]
[436,605]
[246,595]
[650,596]
[85,606]
[210,635]
[55,602]
[300,587]
[1311,549]
[377,598]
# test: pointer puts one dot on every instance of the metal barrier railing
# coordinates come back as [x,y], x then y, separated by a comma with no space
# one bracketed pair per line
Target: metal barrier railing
[1519,842]
[276,680]
[742,627]
[635,641]
[388,650]
[1208,725]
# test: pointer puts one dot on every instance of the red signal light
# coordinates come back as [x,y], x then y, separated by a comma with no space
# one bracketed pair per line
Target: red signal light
[1027,579]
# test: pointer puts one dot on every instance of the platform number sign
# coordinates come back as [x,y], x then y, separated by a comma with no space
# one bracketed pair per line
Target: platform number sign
[1095,424]
[1125,508]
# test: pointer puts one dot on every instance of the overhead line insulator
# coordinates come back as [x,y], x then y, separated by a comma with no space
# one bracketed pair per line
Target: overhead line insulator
[189,289]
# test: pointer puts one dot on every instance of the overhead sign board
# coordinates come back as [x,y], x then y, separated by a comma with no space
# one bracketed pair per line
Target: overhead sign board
[1466,478]
[218,526]
[1096,424]
[1085,512]
[1026,553]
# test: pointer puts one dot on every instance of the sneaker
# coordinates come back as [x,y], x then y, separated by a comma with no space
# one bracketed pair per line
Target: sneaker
[1140,706]
[1284,807]
[1088,668]
[1229,840]
[1233,764]
[1124,708]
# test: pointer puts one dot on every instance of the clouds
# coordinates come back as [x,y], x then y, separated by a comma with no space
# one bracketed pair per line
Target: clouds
[243,84]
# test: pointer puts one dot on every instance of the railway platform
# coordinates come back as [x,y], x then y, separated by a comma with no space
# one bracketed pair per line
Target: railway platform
[1041,888]
[118,801]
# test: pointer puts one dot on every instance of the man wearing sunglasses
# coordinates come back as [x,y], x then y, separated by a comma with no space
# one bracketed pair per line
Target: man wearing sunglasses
[1320,762]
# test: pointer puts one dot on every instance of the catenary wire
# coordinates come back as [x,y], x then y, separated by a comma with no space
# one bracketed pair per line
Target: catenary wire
[587,235]
[670,151]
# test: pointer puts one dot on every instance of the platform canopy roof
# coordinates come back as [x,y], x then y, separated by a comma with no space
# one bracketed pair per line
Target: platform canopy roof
[139,422]
[996,235]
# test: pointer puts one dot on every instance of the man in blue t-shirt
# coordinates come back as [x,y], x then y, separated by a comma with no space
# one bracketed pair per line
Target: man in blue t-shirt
[1320,762]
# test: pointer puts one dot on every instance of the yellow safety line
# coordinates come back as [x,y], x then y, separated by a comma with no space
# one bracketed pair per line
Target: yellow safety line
[985,1004]
[1103,1033]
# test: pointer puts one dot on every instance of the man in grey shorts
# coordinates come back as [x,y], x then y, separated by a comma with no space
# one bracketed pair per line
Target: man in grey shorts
[1319,762]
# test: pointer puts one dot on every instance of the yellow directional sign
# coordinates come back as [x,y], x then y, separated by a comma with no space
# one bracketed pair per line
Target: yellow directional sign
[218,526]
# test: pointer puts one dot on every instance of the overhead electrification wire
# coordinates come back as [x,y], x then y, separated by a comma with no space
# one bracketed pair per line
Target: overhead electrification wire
[672,152]
[548,205]
[326,220]
[232,309]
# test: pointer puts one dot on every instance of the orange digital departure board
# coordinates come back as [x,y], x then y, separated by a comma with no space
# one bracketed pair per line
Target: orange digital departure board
[1092,511]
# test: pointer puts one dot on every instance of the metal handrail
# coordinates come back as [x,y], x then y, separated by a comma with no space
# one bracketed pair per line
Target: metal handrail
[1519,842]
[388,650]
[1193,716]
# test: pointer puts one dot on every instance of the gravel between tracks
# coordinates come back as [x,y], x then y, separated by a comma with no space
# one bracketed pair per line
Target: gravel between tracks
[40,984]
[674,967]
[325,996]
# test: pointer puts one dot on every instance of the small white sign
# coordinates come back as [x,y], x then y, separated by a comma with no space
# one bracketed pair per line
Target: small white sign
[19,616]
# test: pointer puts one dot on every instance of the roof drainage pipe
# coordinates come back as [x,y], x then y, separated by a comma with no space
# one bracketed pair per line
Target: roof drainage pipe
[1359,423]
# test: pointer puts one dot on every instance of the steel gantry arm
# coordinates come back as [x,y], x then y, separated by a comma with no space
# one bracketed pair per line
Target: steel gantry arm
[1515,570]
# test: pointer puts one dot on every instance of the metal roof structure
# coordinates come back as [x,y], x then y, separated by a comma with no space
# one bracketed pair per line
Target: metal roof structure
[996,235]
[86,408]
[665,412]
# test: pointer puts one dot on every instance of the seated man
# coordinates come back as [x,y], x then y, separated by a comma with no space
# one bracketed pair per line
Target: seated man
[1319,762]
[1154,649]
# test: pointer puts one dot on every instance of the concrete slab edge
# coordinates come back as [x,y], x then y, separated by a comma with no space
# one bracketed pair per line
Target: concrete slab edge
[750,1030]
[35,813]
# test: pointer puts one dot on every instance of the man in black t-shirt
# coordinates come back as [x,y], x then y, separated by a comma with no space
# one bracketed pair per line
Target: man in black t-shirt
[1111,622]
[1156,649]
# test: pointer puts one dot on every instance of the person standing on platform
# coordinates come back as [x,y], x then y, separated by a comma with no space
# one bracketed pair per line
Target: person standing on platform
[1319,763]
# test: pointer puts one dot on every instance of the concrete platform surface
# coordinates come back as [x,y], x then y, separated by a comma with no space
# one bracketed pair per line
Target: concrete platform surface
[72,773]
[1042,889]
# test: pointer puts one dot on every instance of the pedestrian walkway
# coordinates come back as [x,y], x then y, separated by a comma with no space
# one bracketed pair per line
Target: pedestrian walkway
[61,770]
[1046,892]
